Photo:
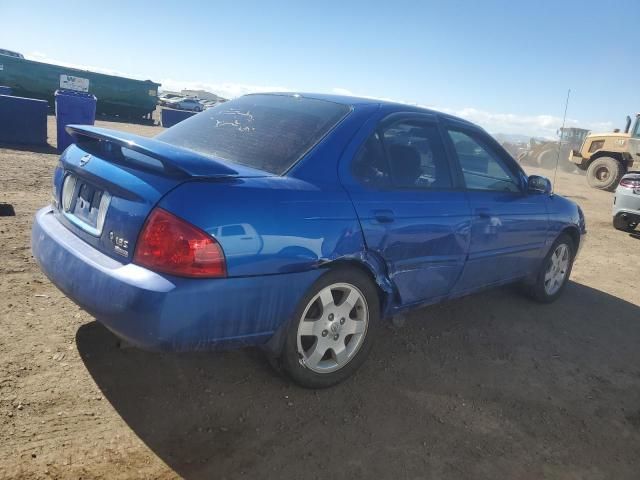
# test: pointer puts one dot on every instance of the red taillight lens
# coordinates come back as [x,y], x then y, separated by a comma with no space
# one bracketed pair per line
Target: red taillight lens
[630,183]
[169,244]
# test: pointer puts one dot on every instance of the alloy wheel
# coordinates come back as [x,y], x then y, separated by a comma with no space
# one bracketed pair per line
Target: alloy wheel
[557,269]
[332,328]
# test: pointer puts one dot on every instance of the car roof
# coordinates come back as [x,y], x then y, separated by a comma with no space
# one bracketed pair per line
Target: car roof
[354,101]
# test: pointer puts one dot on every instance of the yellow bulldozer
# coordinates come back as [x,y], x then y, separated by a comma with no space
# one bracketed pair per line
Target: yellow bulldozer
[545,153]
[608,156]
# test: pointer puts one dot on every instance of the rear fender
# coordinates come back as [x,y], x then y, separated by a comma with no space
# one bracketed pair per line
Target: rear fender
[366,261]
[375,267]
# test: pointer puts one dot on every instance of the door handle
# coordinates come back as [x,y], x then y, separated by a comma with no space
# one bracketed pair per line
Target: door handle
[384,216]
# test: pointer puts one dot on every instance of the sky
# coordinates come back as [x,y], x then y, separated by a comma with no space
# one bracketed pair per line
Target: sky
[506,65]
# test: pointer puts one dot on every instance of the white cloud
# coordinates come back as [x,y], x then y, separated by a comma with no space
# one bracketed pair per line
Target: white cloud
[534,125]
[341,91]
[494,122]
[226,89]
[543,125]
[345,91]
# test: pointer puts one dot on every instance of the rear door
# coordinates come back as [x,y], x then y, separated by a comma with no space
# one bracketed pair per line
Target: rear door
[509,227]
[413,214]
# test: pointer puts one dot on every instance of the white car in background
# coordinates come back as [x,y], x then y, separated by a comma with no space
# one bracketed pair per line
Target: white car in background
[166,98]
[626,203]
[190,104]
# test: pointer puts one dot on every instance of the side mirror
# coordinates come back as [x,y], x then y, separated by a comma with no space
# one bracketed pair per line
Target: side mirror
[538,184]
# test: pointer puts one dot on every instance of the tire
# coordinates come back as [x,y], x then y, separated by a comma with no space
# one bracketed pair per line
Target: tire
[547,159]
[604,173]
[619,223]
[7,210]
[313,361]
[539,290]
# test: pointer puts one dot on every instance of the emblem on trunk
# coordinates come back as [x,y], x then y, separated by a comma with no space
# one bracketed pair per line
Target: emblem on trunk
[120,244]
[85,159]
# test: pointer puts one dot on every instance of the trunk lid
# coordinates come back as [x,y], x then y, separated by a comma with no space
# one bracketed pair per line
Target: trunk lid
[108,182]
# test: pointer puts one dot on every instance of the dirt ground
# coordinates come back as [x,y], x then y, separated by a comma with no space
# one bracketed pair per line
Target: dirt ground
[491,386]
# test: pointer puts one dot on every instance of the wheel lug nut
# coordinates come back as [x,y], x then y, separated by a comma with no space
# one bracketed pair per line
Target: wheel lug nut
[342,321]
[336,336]
[325,333]
[331,316]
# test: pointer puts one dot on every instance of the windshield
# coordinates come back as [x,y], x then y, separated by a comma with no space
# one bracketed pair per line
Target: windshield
[267,132]
[636,130]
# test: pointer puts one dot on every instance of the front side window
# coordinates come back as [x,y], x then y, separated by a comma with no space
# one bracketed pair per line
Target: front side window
[481,166]
[404,155]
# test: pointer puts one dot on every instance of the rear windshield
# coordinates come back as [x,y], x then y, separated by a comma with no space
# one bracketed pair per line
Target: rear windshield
[268,132]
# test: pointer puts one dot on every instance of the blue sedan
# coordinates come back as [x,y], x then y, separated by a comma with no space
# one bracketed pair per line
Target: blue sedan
[296,222]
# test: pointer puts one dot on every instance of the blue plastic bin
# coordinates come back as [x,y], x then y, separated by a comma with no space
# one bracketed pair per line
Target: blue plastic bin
[23,120]
[169,117]
[5,90]
[73,108]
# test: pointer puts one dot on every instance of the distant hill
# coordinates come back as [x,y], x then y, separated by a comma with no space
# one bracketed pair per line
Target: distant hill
[516,138]
[511,137]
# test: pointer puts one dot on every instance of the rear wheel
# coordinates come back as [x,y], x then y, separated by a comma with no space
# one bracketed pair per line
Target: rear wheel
[554,272]
[620,223]
[332,331]
[604,173]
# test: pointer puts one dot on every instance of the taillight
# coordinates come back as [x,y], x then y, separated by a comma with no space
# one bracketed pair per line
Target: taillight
[168,244]
[630,182]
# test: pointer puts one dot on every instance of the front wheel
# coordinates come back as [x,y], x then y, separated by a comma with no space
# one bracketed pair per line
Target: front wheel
[332,330]
[554,272]
[604,173]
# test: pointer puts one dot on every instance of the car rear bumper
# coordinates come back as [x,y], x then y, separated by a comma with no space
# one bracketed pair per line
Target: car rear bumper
[625,200]
[162,312]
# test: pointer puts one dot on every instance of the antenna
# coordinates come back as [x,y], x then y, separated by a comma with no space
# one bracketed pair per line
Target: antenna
[564,119]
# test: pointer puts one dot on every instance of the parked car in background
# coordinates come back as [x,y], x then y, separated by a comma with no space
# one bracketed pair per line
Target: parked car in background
[626,203]
[297,223]
[191,104]
[168,97]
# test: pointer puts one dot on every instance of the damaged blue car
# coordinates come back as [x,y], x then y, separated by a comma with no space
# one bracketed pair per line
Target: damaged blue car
[296,222]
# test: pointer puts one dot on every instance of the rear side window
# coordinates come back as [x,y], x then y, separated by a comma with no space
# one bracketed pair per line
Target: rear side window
[370,164]
[267,132]
[406,154]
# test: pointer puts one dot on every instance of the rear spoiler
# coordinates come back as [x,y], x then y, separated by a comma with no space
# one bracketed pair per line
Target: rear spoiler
[175,161]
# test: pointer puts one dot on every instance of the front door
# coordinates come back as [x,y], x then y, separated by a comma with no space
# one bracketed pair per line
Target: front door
[413,214]
[509,226]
